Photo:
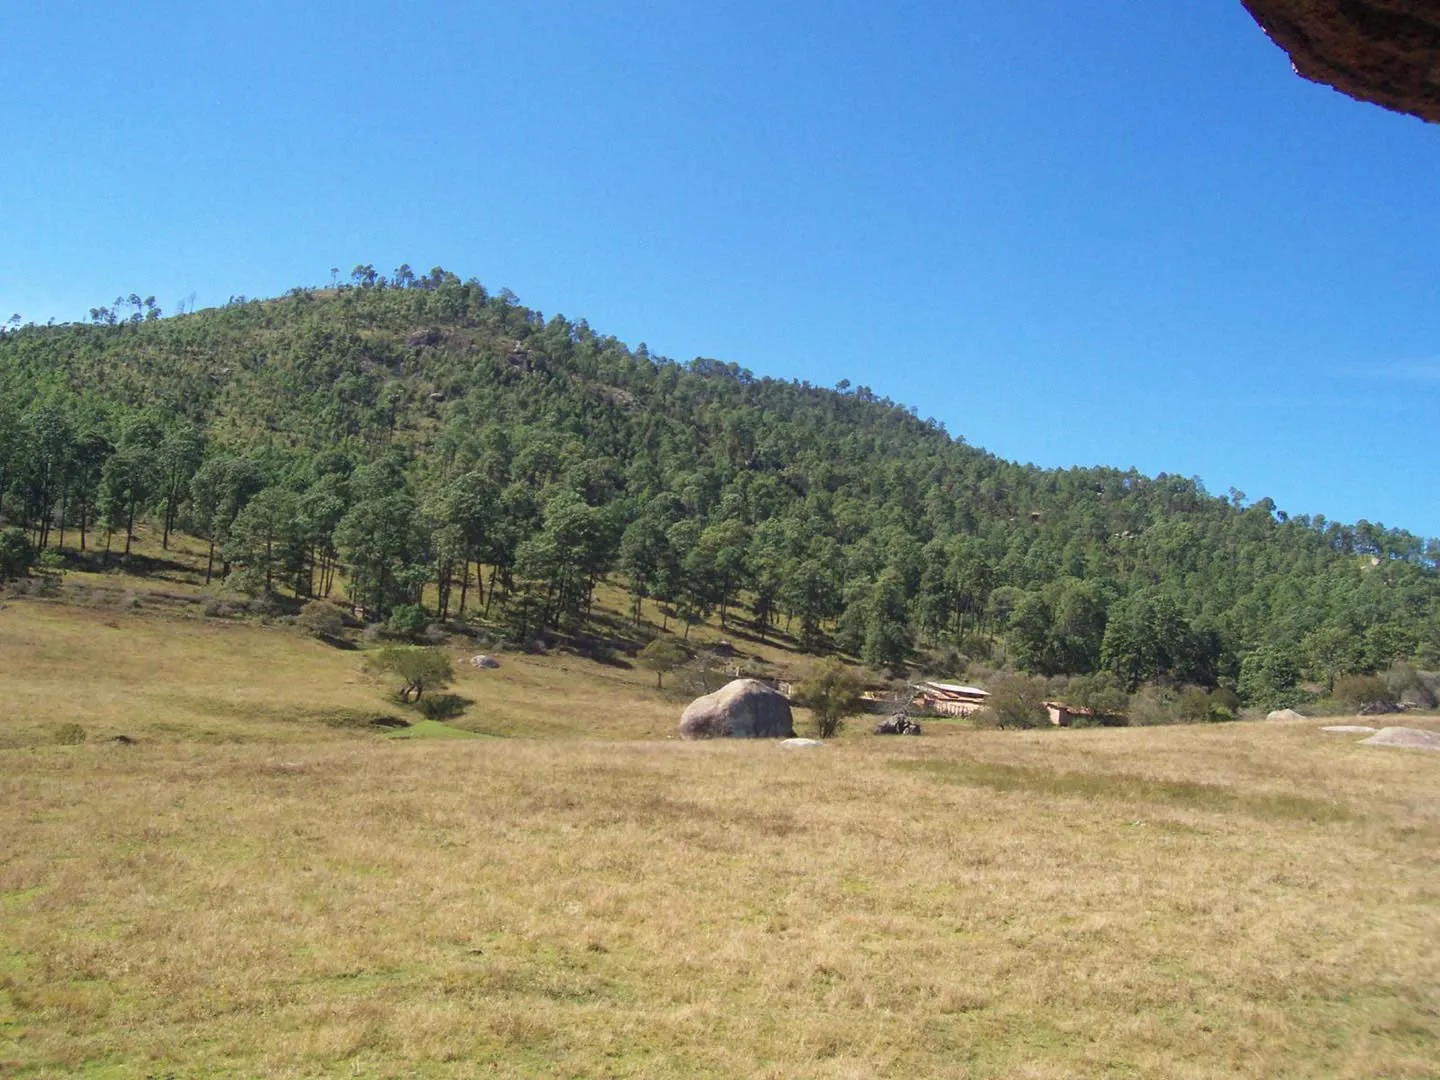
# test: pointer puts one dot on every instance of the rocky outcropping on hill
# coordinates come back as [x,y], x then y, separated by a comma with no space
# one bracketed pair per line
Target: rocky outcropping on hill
[1381,51]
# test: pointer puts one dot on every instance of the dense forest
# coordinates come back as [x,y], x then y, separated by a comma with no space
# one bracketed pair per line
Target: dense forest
[420,440]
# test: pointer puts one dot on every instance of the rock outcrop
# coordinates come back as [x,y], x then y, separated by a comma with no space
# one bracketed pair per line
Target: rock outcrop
[1386,52]
[743,709]
[1284,714]
[1414,738]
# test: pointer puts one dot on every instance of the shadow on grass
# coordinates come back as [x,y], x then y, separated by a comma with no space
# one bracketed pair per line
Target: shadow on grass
[1125,787]
[361,719]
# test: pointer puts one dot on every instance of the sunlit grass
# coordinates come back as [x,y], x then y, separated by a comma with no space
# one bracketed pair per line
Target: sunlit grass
[263,884]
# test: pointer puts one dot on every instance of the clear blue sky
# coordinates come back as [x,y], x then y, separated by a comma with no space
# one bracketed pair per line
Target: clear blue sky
[1112,233]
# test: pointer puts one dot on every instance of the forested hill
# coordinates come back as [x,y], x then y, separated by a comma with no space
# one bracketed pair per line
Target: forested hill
[411,431]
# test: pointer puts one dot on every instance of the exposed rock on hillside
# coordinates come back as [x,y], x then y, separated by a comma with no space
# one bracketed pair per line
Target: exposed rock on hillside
[1285,714]
[1413,738]
[743,709]
[1383,51]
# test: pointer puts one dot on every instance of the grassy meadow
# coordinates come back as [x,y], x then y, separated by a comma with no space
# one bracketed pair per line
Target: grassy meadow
[263,883]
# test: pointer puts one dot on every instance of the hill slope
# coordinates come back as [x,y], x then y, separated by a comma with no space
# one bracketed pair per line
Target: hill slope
[406,435]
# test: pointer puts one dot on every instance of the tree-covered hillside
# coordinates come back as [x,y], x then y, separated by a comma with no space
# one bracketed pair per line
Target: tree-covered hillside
[426,439]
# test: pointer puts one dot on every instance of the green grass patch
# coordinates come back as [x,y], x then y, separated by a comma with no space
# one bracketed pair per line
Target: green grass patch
[432,729]
[1129,788]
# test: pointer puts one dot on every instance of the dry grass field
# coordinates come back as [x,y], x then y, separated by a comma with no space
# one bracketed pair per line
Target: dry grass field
[262,884]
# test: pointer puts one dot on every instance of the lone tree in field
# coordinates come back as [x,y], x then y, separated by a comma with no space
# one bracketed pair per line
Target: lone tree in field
[662,656]
[418,669]
[832,693]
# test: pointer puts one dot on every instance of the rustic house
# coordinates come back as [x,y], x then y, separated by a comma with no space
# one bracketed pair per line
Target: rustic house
[949,699]
[1062,715]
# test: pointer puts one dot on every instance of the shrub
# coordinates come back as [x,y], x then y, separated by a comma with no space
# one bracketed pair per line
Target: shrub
[949,663]
[407,620]
[832,692]
[17,555]
[1356,691]
[219,607]
[1100,692]
[418,669]
[322,618]
[1193,705]
[70,735]
[1153,705]
[1224,703]
[441,706]
[1016,701]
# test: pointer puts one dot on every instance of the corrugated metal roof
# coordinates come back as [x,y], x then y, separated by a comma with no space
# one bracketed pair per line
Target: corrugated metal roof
[955,688]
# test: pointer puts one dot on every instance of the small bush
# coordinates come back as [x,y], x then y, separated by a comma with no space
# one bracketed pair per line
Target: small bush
[70,735]
[407,620]
[441,706]
[1154,705]
[831,692]
[322,618]
[17,555]
[1357,691]
[1224,703]
[1016,701]
[221,607]
[949,663]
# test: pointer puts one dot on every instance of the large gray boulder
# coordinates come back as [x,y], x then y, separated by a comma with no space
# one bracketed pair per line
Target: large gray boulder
[743,709]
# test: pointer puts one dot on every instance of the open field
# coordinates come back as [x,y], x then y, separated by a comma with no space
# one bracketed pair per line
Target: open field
[263,884]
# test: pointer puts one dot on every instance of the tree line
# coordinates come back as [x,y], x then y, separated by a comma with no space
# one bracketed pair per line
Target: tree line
[420,439]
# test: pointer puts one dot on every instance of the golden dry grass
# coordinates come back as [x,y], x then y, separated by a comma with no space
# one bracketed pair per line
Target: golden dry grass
[251,891]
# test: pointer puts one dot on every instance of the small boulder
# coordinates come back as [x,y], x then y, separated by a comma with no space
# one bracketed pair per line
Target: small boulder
[1285,714]
[743,709]
[799,743]
[483,661]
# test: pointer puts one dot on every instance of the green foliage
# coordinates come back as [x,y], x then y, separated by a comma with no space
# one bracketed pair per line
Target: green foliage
[70,735]
[417,669]
[1356,691]
[1268,678]
[419,433]
[1148,637]
[17,555]
[831,692]
[321,618]
[407,620]
[441,706]
[1016,701]
[1101,693]
[662,655]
